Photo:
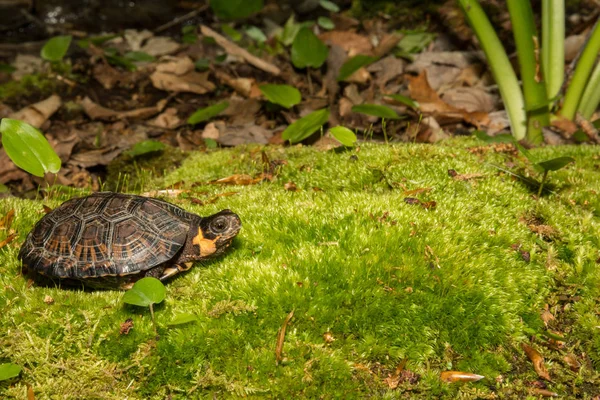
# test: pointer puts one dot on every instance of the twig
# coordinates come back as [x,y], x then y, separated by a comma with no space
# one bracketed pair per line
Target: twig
[235,50]
[281,338]
[182,18]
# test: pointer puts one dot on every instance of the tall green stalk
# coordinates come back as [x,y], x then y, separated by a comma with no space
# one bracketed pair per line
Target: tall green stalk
[553,45]
[581,75]
[591,95]
[534,89]
[502,70]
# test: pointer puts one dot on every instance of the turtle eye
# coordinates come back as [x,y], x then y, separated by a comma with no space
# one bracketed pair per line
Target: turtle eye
[220,224]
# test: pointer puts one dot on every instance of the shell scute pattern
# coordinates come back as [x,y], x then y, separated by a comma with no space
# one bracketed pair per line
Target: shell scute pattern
[106,234]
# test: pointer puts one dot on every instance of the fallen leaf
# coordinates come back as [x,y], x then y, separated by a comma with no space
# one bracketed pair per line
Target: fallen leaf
[386,69]
[458,376]
[30,393]
[168,119]
[237,179]
[7,220]
[542,392]
[328,337]
[160,46]
[46,209]
[126,327]
[415,191]
[547,316]
[26,64]
[281,337]
[164,193]
[470,99]
[537,360]
[353,43]
[48,300]
[38,113]
[572,362]
[412,200]
[178,75]
[8,239]
[290,186]
[98,112]
[444,68]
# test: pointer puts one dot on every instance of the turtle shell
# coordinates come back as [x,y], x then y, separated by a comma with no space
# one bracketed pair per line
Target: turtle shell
[105,234]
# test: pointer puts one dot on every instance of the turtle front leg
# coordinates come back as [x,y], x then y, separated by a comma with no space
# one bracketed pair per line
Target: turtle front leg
[175,269]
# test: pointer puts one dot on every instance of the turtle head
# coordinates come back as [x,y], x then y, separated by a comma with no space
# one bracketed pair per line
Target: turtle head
[216,232]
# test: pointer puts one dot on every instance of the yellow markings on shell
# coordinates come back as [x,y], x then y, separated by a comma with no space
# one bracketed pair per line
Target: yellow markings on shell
[207,246]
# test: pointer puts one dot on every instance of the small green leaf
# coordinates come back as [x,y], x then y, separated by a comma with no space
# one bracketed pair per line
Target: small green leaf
[256,34]
[28,148]
[376,110]
[306,126]
[3,188]
[183,318]
[344,135]
[556,163]
[232,33]
[189,35]
[145,147]
[407,101]
[329,6]
[325,23]
[354,64]
[502,138]
[56,48]
[211,143]
[235,9]
[8,371]
[414,42]
[290,30]
[284,95]
[202,64]
[308,50]
[204,114]
[95,40]
[144,292]
[139,56]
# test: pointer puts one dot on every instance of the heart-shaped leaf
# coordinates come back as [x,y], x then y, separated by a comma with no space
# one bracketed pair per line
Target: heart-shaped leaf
[344,135]
[145,147]
[407,101]
[144,292]
[306,126]
[56,48]
[376,110]
[204,114]
[354,64]
[308,50]
[235,9]
[284,95]
[183,318]
[556,163]
[28,148]
[8,371]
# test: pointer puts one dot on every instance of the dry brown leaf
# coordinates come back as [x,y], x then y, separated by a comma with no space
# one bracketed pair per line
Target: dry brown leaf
[430,102]
[30,393]
[386,69]
[537,360]
[26,64]
[328,337]
[46,209]
[160,46]
[177,76]
[458,376]
[415,191]
[547,317]
[394,380]
[352,42]
[234,135]
[387,43]
[281,338]
[572,362]
[168,119]
[7,220]
[470,99]
[237,179]
[542,392]
[290,186]
[165,193]
[8,239]
[126,327]
[38,113]
[98,112]
[48,300]
[444,68]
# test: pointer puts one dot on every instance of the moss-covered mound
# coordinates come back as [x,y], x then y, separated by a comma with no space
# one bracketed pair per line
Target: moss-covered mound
[373,278]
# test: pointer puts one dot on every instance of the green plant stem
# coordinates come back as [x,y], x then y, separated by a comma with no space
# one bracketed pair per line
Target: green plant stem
[542,183]
[501,68]
[553,45]
[591,95]
[153,321]
[534,91]
[581,75]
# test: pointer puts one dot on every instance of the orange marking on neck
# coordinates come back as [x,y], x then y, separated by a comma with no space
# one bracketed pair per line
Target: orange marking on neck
[207,246]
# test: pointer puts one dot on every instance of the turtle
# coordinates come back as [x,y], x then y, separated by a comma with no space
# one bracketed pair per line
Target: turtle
[110,240]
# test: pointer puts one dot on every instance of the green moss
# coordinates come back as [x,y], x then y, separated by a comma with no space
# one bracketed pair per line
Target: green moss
[445,287]
[29,84]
